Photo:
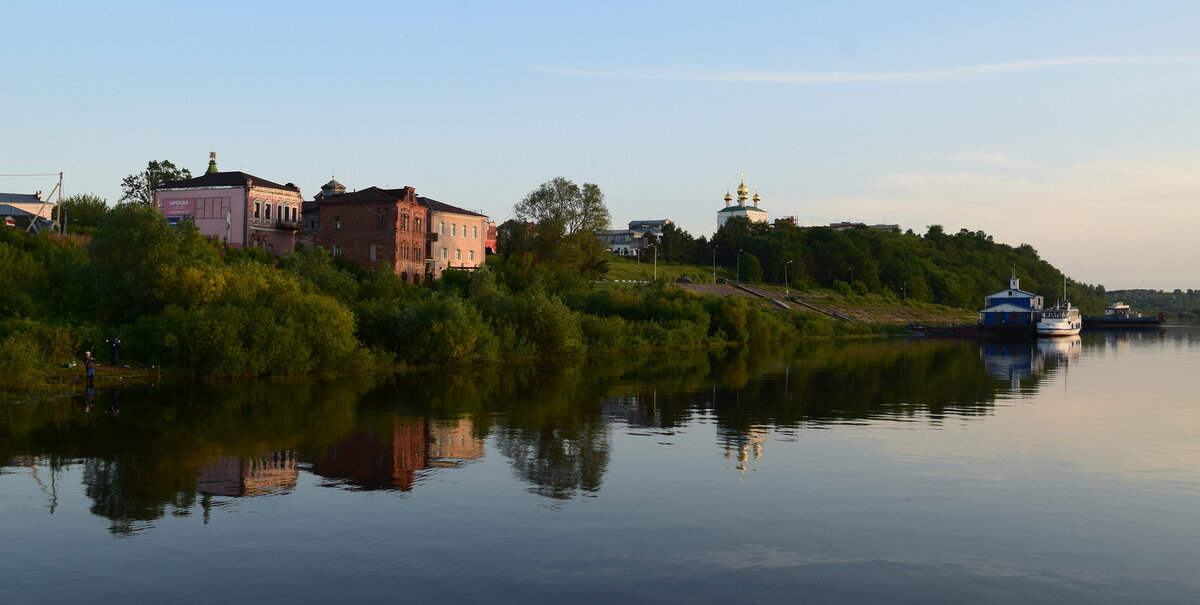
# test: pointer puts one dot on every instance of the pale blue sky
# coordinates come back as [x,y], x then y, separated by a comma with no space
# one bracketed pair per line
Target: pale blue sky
[1069,126]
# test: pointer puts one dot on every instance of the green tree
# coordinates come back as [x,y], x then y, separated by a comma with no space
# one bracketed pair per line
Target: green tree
[136,188]
[565,218]
[676,244]
[83,210]
[566,205]
[138,259]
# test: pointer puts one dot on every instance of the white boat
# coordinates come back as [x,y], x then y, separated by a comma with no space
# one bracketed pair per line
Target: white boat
[1062,319]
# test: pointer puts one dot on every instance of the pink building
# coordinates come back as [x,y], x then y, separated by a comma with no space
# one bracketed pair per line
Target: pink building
[238,208]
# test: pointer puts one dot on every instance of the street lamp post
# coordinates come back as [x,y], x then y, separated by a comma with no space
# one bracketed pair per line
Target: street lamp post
[714,263]
[737,276]
[786,292]
[655,261]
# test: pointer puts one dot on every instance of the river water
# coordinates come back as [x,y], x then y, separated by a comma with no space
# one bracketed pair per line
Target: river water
[849,471]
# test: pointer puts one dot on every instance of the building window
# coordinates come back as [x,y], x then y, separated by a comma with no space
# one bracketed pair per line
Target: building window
[442,228]
[474,232]
[418,229]
[257,208]
[453,230]
[443,254]
[404,223]
[267,213]
[382,220]
[372,253]
[471,255]
[458,254]
[271,248]
[337,222]
[337,250]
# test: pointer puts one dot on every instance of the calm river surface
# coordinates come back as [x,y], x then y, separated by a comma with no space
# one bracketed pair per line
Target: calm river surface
[854,471]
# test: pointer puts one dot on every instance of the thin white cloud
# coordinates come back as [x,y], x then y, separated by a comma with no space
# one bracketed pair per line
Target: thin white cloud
[884,76]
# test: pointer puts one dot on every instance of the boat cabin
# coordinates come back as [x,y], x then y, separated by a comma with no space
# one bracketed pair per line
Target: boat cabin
[1119,310]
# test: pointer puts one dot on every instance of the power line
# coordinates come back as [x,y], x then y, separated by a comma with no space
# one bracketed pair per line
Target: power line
[45,174]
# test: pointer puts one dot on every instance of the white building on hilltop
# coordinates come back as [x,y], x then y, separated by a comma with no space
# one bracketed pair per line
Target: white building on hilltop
[753,213]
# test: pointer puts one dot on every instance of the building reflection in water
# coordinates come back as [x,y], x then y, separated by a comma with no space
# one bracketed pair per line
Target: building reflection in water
[1009,360]
[390,456]
[238,476]
[1015,361]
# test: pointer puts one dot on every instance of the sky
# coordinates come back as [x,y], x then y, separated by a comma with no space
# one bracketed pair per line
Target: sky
[1069,126]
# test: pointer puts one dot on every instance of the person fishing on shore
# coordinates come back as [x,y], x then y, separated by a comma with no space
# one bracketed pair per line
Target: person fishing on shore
[89,365]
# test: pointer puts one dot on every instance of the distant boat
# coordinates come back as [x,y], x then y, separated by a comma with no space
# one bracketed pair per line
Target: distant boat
[1063,319]
[1119,315]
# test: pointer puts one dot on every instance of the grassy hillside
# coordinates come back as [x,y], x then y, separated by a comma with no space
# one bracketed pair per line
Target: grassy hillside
[628,268]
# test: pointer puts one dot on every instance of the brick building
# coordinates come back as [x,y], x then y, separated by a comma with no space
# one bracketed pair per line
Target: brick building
[375,226]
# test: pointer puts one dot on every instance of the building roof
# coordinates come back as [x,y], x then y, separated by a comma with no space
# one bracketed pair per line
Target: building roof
[368,195]
[8,210]
[22,218]
[1012,293]
[22,198]
[737,208]
[437,206]
[225,179]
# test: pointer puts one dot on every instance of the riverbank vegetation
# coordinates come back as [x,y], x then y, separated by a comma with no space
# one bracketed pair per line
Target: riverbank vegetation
[181,300]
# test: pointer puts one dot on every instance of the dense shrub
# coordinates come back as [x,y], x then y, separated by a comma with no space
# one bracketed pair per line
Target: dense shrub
[19,361]
[443,329]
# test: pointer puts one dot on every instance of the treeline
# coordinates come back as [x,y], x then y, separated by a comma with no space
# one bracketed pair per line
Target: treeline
[1179,303]
[179,299]
[957,269]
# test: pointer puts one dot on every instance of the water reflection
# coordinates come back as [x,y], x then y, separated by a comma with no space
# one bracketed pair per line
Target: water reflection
[391,453]
[176,449]
[1025,362]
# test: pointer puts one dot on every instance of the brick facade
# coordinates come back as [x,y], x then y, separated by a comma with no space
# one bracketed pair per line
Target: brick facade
[376,226]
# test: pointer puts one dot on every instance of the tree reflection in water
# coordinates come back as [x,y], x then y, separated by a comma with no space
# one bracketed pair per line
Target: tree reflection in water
[174,448]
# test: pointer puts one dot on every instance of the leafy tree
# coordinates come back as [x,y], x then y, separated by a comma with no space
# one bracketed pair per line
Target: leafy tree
[512,237]
[136,188]
[570,207]
[750,268]
[676,244]
[557,222]
[137,259]
[83,210]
